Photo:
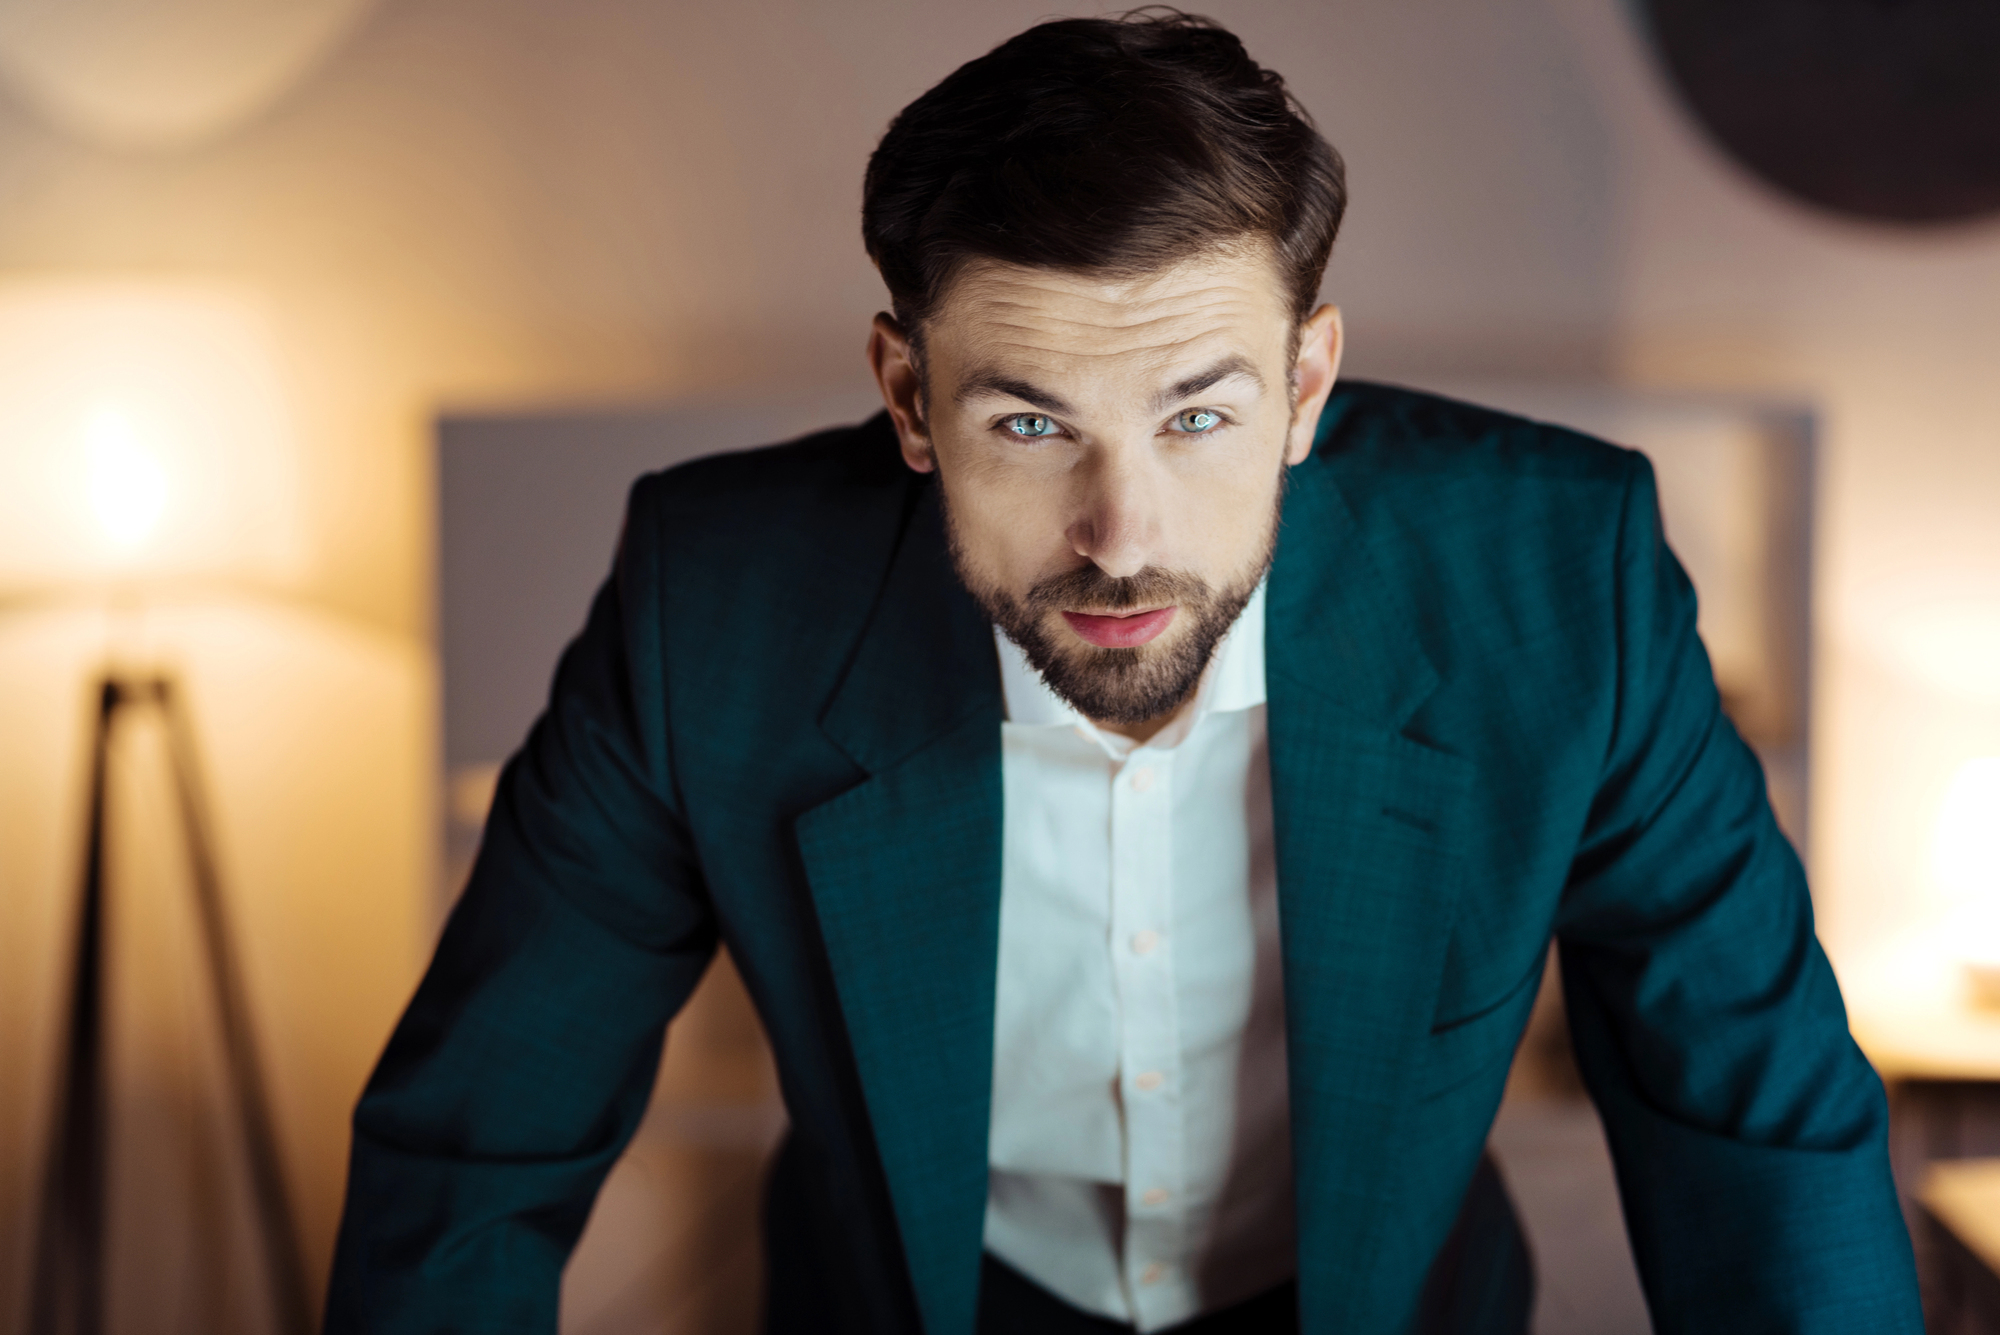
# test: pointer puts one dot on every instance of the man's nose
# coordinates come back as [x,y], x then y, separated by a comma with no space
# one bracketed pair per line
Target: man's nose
[1118,525]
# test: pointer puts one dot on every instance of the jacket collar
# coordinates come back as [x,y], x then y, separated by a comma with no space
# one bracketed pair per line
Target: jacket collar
[925,662]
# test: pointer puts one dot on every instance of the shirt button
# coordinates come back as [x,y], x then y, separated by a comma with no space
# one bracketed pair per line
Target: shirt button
[1154,1196]
[1143,942]
[1142,779]
[1148,1080]
[1153,1273]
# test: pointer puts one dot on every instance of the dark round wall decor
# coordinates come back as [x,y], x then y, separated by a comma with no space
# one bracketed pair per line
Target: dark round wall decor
[1882,109]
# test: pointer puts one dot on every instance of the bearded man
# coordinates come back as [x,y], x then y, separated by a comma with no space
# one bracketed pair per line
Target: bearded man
[1139,780]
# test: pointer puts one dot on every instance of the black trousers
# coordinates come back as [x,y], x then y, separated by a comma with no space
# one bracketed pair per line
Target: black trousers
[1012,1304]
[1482,1283]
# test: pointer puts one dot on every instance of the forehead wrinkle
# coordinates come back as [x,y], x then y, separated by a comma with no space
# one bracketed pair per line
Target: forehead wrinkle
[1242,272]
[1156,358]
[1241,269]
[999,290]
[1158,362]
[1161,339]
[1021,326]
[1200,323]
[1124,315]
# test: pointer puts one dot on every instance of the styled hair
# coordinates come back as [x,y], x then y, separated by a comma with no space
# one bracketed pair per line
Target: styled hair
[1114,146]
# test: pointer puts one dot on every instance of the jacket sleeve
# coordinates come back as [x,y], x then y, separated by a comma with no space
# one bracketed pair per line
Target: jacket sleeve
[1749,1132]
[526,1058]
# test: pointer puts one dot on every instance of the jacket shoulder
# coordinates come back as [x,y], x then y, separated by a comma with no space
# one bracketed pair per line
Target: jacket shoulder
[1388,430]
[829,502]
[761,565]
[844,460]
[1499,533]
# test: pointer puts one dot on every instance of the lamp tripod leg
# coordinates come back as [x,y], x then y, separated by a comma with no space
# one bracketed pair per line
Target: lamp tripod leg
[67,1290]
[68,1284]
[279,1233]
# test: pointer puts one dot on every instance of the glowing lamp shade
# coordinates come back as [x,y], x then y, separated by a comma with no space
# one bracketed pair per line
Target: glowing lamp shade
[144,438]
[1966,852]
[1965,857]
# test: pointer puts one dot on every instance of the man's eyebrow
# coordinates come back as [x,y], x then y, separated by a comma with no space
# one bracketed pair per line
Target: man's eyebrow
[1233,365]
[983,384]
[986,384]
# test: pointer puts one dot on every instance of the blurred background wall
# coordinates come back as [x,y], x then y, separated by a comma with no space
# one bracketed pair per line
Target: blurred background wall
[456,204]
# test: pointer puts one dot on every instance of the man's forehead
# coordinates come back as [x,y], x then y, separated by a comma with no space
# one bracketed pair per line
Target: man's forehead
[1210,305]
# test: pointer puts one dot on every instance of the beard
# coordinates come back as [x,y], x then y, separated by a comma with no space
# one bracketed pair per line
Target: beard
[1119,686]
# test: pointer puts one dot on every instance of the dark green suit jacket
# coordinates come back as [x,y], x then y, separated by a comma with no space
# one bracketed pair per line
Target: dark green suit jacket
[1491,722]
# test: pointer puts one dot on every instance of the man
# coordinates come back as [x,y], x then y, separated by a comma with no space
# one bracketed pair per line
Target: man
[1138,782]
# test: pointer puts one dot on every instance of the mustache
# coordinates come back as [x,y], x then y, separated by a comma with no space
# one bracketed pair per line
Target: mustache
[1088,586]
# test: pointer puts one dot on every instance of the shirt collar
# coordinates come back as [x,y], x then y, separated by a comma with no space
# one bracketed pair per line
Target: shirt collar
[1233,680]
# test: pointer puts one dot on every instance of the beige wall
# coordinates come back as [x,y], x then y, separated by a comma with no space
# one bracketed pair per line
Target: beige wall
[505,201]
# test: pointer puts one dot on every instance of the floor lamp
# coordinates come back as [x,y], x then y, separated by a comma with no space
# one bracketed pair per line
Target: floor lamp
[142,444]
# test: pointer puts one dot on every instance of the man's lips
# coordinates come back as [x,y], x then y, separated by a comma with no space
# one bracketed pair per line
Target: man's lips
[1120,632]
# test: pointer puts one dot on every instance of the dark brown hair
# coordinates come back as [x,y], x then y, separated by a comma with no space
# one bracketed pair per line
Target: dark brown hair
[1111,145]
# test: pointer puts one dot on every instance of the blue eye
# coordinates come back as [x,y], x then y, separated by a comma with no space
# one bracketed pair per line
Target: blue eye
[1197,421]
[1031,425]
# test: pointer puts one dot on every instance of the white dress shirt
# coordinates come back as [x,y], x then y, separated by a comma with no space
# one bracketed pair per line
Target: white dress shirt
[1139,1154]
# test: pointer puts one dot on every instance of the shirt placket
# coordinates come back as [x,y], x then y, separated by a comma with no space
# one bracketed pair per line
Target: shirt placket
[1150,1082]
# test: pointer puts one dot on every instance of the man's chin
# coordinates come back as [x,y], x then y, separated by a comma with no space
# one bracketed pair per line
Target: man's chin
[1119,686]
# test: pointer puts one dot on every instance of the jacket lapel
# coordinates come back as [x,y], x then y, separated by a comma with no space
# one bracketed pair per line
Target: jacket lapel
[905,877]
[1365,818]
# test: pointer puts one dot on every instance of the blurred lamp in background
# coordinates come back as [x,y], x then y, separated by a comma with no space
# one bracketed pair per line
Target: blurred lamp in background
[144,447]
[1965,856]
[144,440]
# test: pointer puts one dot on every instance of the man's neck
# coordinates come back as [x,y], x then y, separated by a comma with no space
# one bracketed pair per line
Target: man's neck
[1147,729]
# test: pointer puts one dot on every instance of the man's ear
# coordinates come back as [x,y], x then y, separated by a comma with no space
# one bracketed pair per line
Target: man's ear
[1321,341]
[894,362]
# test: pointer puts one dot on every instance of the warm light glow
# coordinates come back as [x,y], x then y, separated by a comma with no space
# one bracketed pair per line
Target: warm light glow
[1966,851]
[145,438]
[128,488]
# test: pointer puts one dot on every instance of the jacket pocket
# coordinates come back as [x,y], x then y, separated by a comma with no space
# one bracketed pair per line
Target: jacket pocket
[1461,1050]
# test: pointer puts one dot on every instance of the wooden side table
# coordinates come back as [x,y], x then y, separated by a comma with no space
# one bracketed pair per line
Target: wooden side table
[1935,1033]
[1938,1053]
[1960,1202]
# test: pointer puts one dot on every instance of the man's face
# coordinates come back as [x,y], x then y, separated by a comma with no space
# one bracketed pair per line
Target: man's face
[1111,453]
